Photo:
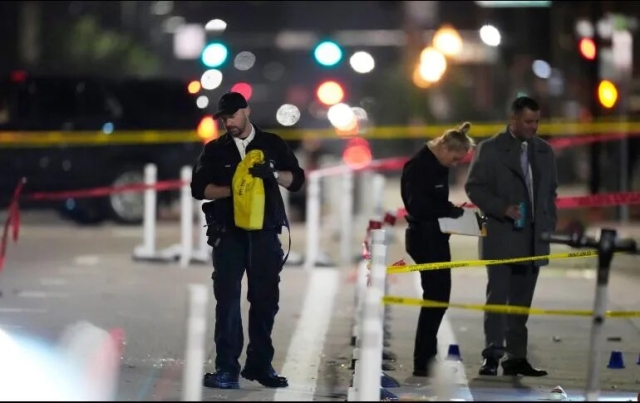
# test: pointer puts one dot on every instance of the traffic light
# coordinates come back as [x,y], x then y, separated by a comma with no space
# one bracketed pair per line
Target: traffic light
[587,48]
[194,87]
[330,93]
[214,54]
[607,94]
[207,129]
[327,53]
[357,153]
[243,88]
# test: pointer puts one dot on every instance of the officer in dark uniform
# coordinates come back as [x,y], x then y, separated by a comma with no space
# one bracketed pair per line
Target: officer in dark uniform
[425,192]
[236,250]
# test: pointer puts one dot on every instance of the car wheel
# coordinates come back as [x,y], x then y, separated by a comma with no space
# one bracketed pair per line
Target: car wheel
[127,207]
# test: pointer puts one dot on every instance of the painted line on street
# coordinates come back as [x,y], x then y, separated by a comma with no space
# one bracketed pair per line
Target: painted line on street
[22,310]
[304,357]
[87,260]
[53,281]
[41,294]
[446,337]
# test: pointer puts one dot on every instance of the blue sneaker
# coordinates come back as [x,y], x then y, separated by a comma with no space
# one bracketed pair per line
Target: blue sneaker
[220,380]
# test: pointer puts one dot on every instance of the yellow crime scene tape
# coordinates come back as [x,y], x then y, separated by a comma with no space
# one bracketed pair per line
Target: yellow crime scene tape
[124,137]
[489,262]
[515,310]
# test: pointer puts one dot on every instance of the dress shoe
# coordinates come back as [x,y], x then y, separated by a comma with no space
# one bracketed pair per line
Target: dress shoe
[220,380]
[489,367]
[520,366]
[268,378]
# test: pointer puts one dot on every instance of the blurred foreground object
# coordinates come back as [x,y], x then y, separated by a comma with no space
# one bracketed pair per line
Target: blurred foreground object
[84,366]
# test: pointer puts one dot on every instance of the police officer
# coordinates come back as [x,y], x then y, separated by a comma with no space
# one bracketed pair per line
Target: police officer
[425,193]
[236,250]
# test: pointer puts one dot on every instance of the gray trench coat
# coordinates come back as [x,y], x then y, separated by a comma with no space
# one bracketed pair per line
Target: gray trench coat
[495,181]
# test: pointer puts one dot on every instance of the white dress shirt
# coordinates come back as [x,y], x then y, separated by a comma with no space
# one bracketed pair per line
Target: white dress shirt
[243,143]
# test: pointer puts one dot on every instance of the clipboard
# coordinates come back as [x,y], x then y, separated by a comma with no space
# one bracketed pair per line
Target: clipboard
[471,223]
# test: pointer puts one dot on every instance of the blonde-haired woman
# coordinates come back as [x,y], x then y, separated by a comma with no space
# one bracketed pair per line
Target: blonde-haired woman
[425,194]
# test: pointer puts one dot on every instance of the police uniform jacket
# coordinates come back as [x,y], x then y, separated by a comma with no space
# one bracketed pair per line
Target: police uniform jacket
[424,187]
[217,164]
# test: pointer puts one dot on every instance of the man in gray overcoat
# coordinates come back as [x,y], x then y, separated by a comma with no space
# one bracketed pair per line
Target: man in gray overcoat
[510,170]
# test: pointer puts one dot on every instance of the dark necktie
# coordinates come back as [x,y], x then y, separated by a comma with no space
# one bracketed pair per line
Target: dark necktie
[524,164]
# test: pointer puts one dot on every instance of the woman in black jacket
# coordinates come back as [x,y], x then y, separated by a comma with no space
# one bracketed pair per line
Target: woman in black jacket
[425,193]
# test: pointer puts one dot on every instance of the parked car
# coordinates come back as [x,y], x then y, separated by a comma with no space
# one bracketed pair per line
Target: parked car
[72,133]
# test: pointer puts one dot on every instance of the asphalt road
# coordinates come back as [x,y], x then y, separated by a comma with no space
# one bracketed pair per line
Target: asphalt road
[58,274]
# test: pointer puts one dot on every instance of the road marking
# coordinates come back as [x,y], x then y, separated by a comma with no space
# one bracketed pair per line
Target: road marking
[87,260]
[125,233]
[445,338]
[22,310]
[303,359]
[41,294]
[53,281]
[9,326]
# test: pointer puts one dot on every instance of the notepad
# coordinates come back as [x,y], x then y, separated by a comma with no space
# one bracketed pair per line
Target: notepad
[467,224]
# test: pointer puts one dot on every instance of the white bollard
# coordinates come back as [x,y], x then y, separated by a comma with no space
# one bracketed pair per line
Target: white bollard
[186,217]
[313,221]
[202,252]
[355,387]
[371,325]
[377,195]
[370,360]
[378,260]
[361,287]
[365,206]
[148,247]
[195,346]
[346,219]
[285,200]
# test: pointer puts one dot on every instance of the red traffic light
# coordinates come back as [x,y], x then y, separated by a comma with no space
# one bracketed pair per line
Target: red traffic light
[588,48]
[357,153]
[243,88]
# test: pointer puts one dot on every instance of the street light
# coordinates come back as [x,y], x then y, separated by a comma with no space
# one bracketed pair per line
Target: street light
[433,64]
[607,94]
[490,35]
[214,55]
[362,62]
[588,48]
[216,25]
[448,41]
[330,93]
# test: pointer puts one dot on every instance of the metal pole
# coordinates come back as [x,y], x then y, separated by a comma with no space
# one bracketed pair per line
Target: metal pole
[606,248]
[624,174]
[623,43]
[594,106]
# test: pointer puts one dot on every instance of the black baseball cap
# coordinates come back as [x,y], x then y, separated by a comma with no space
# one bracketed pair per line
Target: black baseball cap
[229,103]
